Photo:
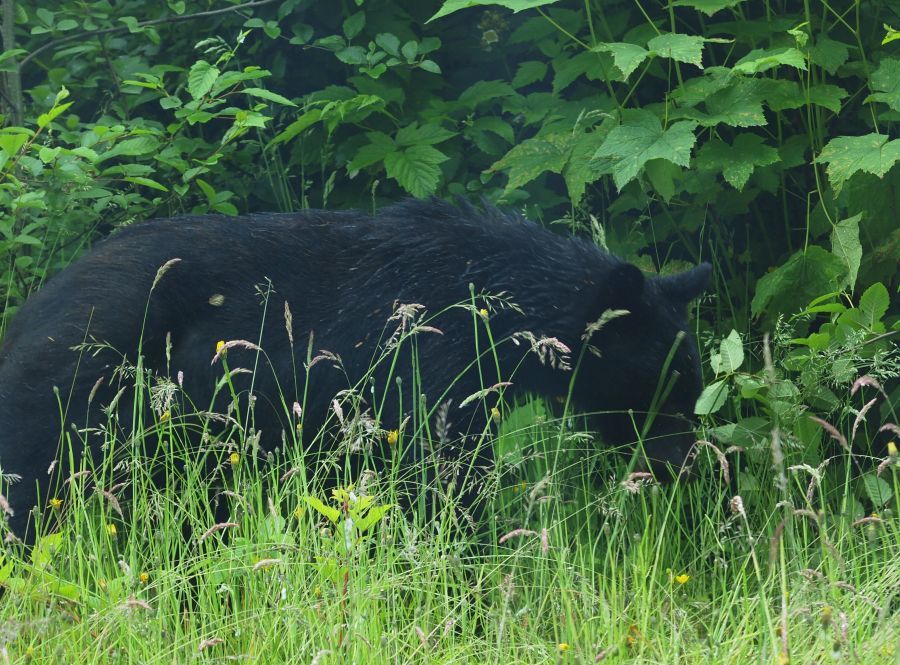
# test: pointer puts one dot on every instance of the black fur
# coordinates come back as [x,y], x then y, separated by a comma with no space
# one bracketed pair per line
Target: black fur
[341,273]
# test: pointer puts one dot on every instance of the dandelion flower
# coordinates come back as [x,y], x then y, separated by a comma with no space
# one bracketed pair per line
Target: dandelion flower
[56,503]
[392,437]
[683,578]
[234,458]
[144,577]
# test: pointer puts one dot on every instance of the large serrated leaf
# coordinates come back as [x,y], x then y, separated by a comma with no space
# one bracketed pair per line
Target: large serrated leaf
[846,155]
[626,56]
[736,162]
[201,78]
[886,80]
[640,138]
[532,157]
[679,47]
[762,60]
[416,169]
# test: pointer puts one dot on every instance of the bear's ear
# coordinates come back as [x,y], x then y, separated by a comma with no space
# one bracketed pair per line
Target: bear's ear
[622,288]
[687,285]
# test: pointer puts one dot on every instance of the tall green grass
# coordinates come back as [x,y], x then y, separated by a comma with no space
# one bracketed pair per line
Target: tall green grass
[210,549]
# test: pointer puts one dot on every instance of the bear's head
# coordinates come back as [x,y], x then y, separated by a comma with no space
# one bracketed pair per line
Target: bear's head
[641,375]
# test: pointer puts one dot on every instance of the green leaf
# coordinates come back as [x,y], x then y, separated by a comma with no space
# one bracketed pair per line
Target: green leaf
[11,142]
[531,158]
[354,25]
[886,79]
[416,169]
[846,155]
[626,56]
[147,182]
[303,122]
[351,55]
[409,50]
[430,66]
[429,134]
[804,277]
[640,138]
[730,356]
[762,60]
[329,512]
[389,42]
[140,145]
[268,95]
[712,398]
[877,490]
[738,105]
[873,305]
[708,7]
[201,78]
[682,48]
[45,119]
[496,125]
[380,146]
[485,91]
[451,6]
[736,162]
[580,168]
[529,72]
[372,517]
[828,96]
[829,54]
[845,245]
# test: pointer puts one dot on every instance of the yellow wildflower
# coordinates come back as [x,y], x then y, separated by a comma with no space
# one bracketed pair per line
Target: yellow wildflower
[112,530]
[563,646]
[892,448]
[56,503]
[495,414]
[234,458]
[299,512]
[392,437]
[144,577]
[220,345]
[483,312]
[683,578]
[165,416]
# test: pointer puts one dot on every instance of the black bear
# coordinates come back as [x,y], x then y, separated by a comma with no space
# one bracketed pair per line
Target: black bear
[509,299]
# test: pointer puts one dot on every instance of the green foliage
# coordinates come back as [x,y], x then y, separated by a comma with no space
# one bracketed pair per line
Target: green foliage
[657,122]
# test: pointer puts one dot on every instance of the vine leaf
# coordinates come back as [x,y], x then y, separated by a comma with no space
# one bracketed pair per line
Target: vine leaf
[886,79]
[736,162]
[846,155]
[640,138]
